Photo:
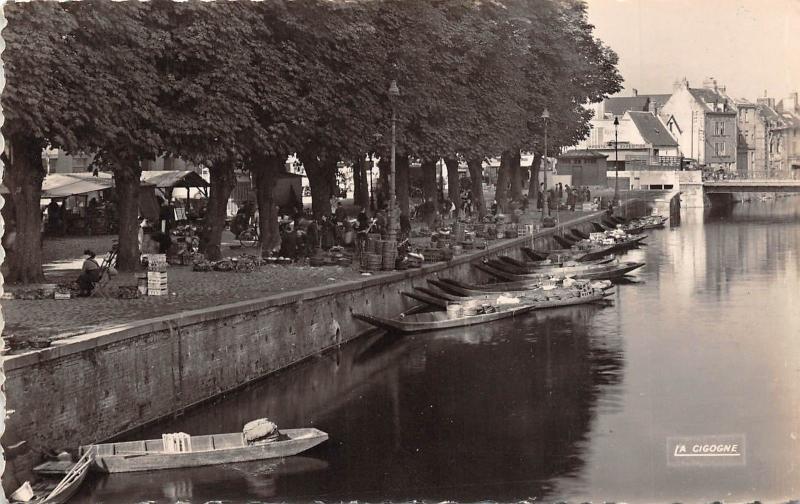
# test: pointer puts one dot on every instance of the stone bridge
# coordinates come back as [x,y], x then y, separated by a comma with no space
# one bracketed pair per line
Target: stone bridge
[721,192]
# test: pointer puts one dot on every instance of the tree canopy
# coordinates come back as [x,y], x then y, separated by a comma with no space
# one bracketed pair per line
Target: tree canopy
[252,82]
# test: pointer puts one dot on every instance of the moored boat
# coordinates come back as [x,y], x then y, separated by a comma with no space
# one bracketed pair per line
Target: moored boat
[598,272]
[198,451]
[442,298]
[514,266]
[575,253]
[500,309]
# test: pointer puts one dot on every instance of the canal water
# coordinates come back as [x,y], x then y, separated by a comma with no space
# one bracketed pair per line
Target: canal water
[572,404]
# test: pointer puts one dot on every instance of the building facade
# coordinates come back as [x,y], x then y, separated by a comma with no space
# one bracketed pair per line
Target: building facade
[642,141]
[762,138]
[704,122]
[789,110]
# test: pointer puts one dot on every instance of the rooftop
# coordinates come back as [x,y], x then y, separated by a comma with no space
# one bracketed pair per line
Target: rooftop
[619,105]
[582,153]
[709,97]
[652,129]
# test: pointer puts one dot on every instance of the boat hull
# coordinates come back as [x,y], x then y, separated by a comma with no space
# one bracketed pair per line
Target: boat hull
[107,460]
[601,273]
[512,266]
[408,327]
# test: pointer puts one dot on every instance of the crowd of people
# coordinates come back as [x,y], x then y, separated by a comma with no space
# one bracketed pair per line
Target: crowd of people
[562,196]
[303,236]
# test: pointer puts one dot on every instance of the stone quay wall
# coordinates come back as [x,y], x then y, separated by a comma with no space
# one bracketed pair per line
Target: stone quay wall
[93,387]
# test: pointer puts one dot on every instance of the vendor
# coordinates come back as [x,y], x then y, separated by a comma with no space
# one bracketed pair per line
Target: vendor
[90,274]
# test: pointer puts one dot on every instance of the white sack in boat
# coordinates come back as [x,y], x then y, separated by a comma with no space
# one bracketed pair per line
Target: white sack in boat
[259,429]
[501,299]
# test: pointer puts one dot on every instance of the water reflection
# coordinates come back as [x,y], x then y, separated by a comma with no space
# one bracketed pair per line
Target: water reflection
[491,411]
[574,403]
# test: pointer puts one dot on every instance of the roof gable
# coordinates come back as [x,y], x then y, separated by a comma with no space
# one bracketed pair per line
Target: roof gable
[652,129]
[619,105]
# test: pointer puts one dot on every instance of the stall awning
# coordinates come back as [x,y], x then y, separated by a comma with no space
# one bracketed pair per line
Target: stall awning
[173,178]
[62,185]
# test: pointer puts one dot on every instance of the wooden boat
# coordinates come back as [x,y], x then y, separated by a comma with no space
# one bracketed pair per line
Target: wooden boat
[628,241]
[441,299]
[652,222]
[432,321]
[214,449]
[69,484]
[577,254]
[514,266]
[565,241]
[465,289]
[555,271]
[599,272]
[577,233]
[555,261]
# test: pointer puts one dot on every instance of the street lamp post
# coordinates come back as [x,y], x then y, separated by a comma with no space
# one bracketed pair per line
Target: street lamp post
[616,162]
[371,188]
[394,92]
[545,203]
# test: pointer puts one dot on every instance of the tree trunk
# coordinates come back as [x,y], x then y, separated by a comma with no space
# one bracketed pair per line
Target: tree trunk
[429,189]
[476,176]
[360,183]
[382,198]
[333,178]
[320,181]
[429,192]
[127,173]
[265,170]
[516,176]
[223,181]
[501,192]
[533,183]
[401,184]
[23,178]
[453,187]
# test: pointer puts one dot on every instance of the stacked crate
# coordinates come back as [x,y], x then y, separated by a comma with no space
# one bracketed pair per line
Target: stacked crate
[157,275]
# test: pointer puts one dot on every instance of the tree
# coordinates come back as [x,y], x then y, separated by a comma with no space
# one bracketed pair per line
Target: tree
[116,82]
[33,100]
[205,96]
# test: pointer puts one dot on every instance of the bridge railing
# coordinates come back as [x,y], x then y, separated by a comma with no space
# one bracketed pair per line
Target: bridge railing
[752,175]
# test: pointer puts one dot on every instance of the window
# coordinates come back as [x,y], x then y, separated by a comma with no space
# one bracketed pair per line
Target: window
[668,186]
[719,128]
[719,148]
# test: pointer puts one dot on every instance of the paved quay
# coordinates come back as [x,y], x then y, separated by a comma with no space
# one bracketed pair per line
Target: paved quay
[56,319]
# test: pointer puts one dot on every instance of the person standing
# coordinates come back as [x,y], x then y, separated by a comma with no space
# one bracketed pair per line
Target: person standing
[328,233]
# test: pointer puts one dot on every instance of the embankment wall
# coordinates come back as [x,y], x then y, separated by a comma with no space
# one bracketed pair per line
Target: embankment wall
[93,387]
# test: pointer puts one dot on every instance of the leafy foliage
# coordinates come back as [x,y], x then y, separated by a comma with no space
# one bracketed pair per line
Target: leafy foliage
[227,83]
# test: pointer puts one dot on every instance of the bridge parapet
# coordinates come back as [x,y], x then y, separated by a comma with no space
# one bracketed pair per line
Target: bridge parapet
[753,175]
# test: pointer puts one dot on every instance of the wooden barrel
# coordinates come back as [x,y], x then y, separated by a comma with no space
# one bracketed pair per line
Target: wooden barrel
[372,261]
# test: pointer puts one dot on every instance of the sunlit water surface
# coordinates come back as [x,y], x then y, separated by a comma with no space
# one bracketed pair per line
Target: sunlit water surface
[574,404]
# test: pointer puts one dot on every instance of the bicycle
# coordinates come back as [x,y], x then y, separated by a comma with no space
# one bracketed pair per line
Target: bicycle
[249,237]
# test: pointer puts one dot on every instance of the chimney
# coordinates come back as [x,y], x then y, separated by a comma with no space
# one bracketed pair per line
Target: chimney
[635,92]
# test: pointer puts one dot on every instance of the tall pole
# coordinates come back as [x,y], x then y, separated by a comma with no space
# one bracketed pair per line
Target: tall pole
[394,92]
[545,203]
[616,162]
[392,197]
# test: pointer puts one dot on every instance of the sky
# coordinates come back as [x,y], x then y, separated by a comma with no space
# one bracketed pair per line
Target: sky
[748,46]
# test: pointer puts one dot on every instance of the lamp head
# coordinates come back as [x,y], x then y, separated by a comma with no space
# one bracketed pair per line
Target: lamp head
[394,91]
[545,114]
[616,121]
